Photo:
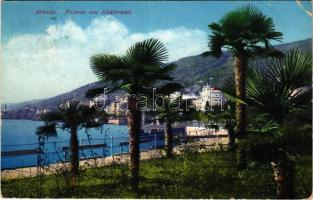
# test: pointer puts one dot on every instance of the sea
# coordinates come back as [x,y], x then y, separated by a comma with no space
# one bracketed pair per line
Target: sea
[20,135]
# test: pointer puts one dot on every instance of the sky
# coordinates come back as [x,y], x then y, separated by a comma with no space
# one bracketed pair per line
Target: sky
[45,55]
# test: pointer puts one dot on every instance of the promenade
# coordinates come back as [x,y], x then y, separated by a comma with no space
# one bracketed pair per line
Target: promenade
[202,145]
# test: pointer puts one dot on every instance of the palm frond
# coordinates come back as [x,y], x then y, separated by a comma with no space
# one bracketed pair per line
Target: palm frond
[53,116]
[107,67]
[294,70]
[91,117]
[216,42]
[148,52]
[266,97]
[47,130]
[277,91]
[244,30]
[141,67]
[233,98]
[68,107]
[215,28]
[269,127]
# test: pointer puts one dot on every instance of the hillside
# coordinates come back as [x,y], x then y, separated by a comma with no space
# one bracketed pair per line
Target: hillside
[191,71]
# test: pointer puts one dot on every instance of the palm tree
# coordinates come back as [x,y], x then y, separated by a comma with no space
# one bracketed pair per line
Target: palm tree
[285,86]
[174,110]
[71,116]
[136,72]
[245,32]
[281,96]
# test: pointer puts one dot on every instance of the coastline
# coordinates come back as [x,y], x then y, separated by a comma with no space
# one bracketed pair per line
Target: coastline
[27,172]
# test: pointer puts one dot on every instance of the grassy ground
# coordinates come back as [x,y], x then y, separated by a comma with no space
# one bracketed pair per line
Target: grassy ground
[205,175]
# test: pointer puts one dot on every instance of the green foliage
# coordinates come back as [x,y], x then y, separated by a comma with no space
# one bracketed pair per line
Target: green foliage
[279,92]
[175,110]
[206,175]
[293,71]
[71,114]
[48,130]
[148,52]
[282,144]
[140,68]
[233,98]
[246,31]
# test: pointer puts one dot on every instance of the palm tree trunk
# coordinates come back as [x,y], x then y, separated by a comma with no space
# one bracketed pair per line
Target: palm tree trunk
[134,120]
[240,84]
[284,178]
[169,139]
[74,155]
[231,136]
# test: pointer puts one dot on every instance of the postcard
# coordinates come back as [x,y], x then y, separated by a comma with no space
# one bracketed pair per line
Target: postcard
[156,99]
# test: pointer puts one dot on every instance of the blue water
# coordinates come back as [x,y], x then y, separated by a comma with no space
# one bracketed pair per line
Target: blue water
[20,135]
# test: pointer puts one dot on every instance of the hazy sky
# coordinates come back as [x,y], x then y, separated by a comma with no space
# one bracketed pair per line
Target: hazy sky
[46,55]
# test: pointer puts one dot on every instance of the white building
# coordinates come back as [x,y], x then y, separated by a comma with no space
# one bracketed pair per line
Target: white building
[210,96]
[40,111]
[189,96]
[175,95]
